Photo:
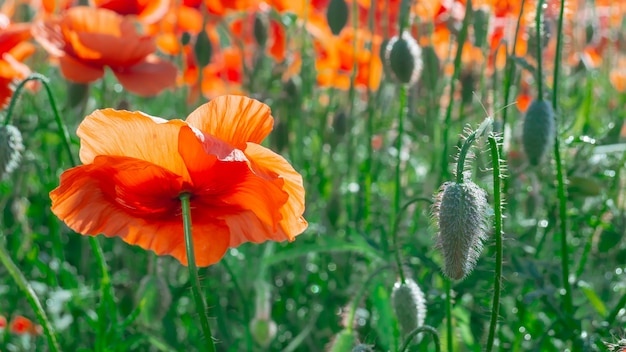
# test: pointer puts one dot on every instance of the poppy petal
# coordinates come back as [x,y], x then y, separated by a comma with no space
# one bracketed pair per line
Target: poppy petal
[138,202]
[78,71]
[266,162]
[234,119]
[225,182]
[149,77]
[132,134]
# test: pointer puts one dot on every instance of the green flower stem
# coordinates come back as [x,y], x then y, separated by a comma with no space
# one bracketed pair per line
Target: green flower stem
[201,307]
[568,305]
[65,135]
[510,73]
[539,30]
[423,328]
[455,76]
[448,308]
[497,205]
[398,182]
[31,297]
[460,165]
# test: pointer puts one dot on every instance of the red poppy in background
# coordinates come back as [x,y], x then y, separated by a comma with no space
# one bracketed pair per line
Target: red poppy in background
[147,11]
[14,49]
[21,326]
[127,187]
[86,40]
[3,322]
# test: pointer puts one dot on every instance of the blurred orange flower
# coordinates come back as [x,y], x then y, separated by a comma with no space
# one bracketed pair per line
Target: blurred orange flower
[14,49]
[147,11]
[21,326]
[3,322]
[86,40]
[240,191]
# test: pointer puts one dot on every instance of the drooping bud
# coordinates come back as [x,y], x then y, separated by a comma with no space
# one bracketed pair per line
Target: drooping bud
[260,29]
[11,149]
[262,327]
[263,331]
[539,131]
[409,305]
[337,15]
[403,58]
[461,214]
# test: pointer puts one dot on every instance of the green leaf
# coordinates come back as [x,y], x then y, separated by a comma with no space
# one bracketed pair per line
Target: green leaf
[593,298]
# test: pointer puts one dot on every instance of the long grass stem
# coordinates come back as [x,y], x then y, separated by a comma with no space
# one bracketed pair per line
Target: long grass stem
[398,181]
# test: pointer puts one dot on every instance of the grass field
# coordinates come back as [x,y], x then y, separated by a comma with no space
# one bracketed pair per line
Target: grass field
[433,176]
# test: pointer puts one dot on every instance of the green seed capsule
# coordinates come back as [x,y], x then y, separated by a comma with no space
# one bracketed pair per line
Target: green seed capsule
[409,305]
[11,149]
[539,131]
[337,15]
[461,214]
[403,58]
[203,49]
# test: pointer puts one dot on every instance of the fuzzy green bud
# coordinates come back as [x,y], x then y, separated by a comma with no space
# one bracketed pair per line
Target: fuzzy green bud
[337,15]
[409,305]
[11,149]
[403,58]
[539,131]
[203,49]
[461,213]
[263,331]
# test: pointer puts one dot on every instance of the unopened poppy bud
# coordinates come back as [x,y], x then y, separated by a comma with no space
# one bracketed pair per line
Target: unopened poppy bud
[263,331]
[431,72]
[11,149]
[292,87]
[461,213]
[185,38]
[340,123]
[409,305]
[539,131]
[403,58]
[155,297]
[480,20]
[203,49]
[337,15]
[344,341]
[260,29]
[363,348]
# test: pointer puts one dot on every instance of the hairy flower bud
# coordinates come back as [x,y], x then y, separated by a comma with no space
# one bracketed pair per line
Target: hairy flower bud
[11,149]
[403,58]
[409,305]
[539,131]
[461,213]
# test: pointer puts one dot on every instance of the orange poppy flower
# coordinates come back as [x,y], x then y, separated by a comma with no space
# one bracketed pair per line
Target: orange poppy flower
[86,40]
[240,191]
[3,322]
[147,11]
[13,50]
[21,326]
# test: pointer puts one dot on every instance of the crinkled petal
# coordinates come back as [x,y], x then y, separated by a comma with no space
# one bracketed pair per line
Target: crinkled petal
[234,119]
[223,180]
[78,71]
[138,202]
[132,134]
[268,164]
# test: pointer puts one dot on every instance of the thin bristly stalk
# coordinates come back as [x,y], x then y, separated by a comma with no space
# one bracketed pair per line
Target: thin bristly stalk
[367,184]
[455,76]
[398,182]
[510,73]
[559,171]
[31,297]
[497,206]
[539,31]
[201,307]
[65,135]
[424,328]
[351,199]
[448,309]
[467,144]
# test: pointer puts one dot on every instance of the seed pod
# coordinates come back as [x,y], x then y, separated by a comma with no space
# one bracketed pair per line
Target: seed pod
[409,305]
[156,297]
[480,20]
[403,58]
[461,215]
[260,29]
[203,49]
[185,38]
[340,123]
[337,15]
[344,341]
[11,149]
[539,131]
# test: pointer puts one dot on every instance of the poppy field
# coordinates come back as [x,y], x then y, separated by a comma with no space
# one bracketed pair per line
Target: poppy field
[328,175]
